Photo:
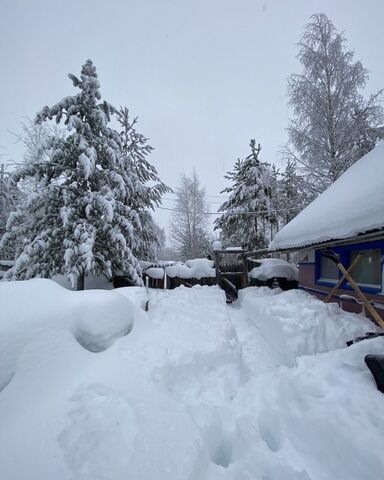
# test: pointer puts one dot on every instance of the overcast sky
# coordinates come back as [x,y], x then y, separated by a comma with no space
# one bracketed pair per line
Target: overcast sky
[204,76]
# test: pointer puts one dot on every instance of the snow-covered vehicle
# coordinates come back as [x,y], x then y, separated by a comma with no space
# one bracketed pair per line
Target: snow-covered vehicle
[272,271]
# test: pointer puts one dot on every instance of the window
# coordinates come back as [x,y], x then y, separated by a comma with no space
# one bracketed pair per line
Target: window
[328,269]
[368,269]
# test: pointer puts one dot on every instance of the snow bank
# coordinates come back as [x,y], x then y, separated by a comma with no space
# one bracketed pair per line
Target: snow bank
[274,267]
[296,323]
[29,309]
[353,204]
[197,268]
[320,420]
[197,391]
[145,408]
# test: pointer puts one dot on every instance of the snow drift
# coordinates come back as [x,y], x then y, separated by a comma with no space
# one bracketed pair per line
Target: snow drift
[197,391]
[32,308]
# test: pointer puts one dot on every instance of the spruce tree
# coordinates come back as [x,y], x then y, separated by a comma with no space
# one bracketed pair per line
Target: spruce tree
[291,193]
[79,221]
[147,185]
[247,212]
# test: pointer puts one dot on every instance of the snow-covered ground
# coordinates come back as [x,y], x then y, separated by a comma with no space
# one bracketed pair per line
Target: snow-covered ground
[196,390]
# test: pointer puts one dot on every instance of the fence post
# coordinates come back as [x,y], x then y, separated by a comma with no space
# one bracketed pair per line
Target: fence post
[217,267]
[245,266]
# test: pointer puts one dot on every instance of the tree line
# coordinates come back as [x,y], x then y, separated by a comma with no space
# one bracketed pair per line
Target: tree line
[332,125]
[81,201]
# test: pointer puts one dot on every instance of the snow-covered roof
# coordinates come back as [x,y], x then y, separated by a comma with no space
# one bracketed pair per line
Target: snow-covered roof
[353,205]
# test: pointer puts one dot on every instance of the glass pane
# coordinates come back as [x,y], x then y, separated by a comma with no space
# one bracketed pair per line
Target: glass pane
[368,270]
[329,269]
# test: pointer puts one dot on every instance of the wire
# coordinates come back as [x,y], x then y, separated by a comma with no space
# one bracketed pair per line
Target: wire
[209,201]
[234,213]
[206,195]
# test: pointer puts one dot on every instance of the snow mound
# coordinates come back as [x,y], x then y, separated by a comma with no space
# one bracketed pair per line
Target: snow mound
[31,308]
[217,245]
[197,268]
[296,323]
[155,272]
[274,267]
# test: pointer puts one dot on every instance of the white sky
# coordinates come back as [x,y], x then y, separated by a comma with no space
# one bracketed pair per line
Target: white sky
[204,76]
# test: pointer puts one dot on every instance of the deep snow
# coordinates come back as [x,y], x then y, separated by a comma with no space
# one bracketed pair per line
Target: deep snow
[198,390]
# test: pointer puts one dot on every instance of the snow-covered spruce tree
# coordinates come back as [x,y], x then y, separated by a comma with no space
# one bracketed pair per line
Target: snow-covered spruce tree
[9,196]
[250,192]
[79,221]
[292,195]
[146,184]
[189,227]
[332,124]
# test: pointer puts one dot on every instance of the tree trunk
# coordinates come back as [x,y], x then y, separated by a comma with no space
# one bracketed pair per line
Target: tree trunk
[80,282]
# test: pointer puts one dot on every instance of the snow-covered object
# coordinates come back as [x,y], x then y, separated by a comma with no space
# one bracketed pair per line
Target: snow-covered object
[155,272]
[197,268]
[353,204]
[217,245]
[250,191]
[274,268]
[85,219]
[237,249]
[31,308]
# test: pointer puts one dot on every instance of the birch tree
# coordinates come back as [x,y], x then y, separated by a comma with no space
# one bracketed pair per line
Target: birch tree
[189,227]
[332,125]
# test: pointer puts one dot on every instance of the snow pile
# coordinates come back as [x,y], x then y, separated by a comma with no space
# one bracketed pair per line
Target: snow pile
[296,323]
[197,268]
[30,309]
[320,420]
[274,268]
[359,197]
[197,391]
[217,245]
[155,272]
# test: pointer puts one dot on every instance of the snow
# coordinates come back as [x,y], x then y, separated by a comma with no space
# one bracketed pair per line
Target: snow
[217,245]
[274,268]
[155,272]
[198,390]
[354,204]
[29,309]
[197,268]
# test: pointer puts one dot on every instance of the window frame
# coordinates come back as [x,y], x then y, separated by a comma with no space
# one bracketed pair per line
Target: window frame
[344,253]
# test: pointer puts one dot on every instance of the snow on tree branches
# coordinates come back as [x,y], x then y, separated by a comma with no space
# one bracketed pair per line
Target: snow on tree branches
[147,185]
[84,217]
[247,214]
[332,124]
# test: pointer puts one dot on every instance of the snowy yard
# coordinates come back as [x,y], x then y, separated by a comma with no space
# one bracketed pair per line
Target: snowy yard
[92,387]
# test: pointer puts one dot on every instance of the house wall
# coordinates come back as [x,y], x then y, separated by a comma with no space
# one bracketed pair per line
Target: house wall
[310,277]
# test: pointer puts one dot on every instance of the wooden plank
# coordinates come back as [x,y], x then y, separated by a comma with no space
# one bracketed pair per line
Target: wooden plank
[336,287]
[361,296]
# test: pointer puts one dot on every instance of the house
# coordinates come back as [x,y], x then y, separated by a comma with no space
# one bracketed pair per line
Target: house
[348,217]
